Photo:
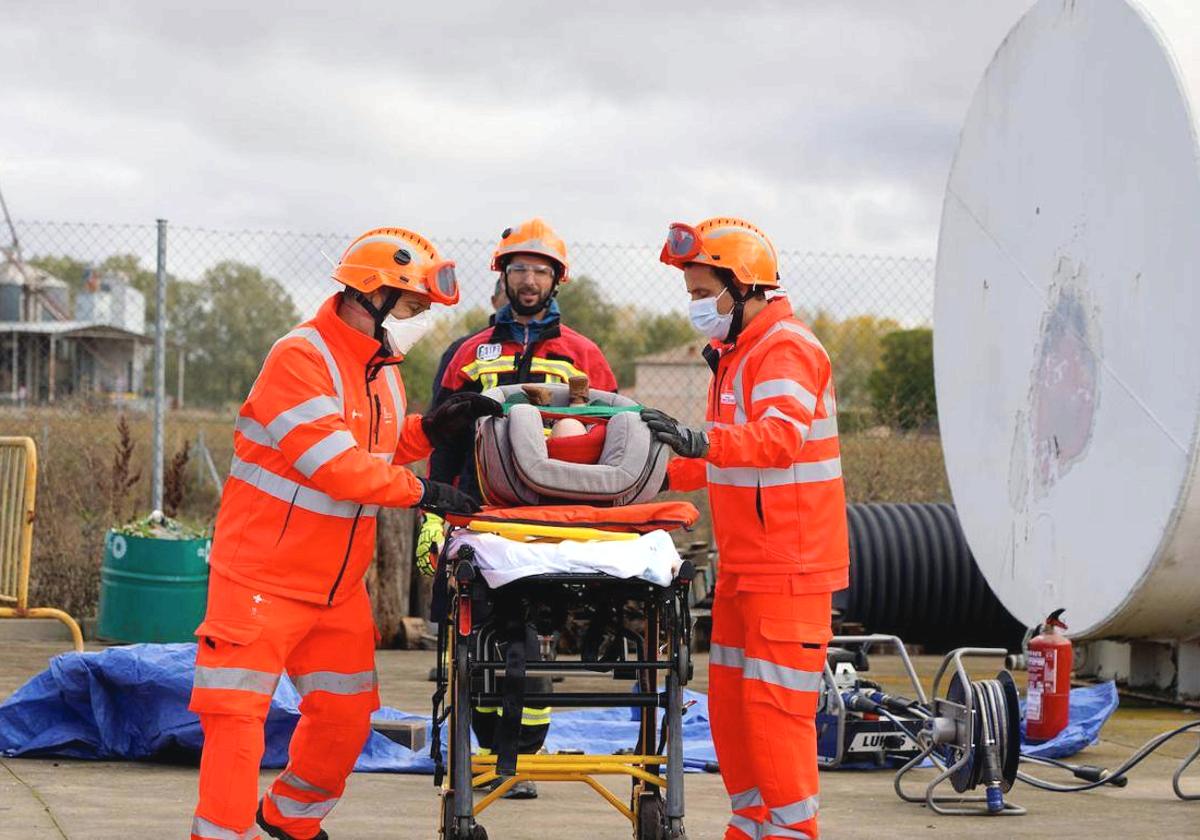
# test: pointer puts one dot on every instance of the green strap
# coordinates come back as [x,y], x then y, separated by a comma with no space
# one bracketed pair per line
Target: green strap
[575,410]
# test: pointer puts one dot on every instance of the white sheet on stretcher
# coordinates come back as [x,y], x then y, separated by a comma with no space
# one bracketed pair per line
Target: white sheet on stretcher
[652,557]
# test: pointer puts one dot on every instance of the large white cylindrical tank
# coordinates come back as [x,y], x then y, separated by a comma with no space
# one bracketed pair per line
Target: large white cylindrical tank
[1067,318]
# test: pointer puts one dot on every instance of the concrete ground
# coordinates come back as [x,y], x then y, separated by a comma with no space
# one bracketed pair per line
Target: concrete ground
[118,801]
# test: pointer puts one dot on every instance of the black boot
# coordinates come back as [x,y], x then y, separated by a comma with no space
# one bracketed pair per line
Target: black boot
[278,833]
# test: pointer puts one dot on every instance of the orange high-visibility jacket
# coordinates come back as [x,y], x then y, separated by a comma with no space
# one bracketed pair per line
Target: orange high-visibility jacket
[317,448]
[773,468]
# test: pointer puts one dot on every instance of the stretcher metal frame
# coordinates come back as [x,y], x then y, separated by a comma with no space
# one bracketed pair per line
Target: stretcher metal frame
[655,769]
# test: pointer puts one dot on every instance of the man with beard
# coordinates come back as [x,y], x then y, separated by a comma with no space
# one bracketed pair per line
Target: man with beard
[527,343]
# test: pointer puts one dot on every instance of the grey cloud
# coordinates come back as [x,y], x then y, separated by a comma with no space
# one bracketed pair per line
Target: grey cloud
[834,121]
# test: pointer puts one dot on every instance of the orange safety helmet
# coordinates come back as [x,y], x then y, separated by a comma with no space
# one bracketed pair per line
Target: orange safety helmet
[724,242]
[399,259]
[533,237]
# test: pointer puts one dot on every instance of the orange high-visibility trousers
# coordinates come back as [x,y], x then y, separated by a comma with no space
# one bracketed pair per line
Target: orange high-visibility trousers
[768,653]
[248,638]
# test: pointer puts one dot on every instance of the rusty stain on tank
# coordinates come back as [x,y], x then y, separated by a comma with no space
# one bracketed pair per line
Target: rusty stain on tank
[1065,379]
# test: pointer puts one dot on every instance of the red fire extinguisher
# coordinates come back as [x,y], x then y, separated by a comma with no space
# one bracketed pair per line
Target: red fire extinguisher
[1047,706]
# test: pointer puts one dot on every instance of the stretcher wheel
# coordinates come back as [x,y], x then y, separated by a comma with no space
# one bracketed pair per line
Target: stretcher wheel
[452,830]
[651,822]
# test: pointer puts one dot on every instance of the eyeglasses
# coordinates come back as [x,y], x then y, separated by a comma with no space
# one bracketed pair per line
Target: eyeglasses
[541,272]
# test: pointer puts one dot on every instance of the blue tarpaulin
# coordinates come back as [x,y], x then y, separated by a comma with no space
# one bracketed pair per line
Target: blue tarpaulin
[131,703]
[1091,707]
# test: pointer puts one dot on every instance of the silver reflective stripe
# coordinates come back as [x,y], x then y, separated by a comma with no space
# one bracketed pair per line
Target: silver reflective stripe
[335,683]
[745,825]
[287,490]
[807,472]
[311,409]
[813,471]
[289,778]
[287,421]
[776,413]
[720,232]
[313,337]
[804,333]
[295,809]
[745,799]
[387,239]
[531,246]
[739,415]
[240,679]
[383,456]
[771,388]
[732,657]
[211,831]
[389,374]
[797,812]
[768,830]
[254,430]
[829,400]
[323,451]
[732,476]
[823,429]
[781,675]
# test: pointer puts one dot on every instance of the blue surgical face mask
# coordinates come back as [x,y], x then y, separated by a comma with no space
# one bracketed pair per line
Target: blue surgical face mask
[707,320]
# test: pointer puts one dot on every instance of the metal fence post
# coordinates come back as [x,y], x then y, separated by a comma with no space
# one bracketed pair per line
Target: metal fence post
[160,369]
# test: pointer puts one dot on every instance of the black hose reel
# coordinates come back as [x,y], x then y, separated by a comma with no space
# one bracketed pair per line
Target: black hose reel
[973,738]
[971,735]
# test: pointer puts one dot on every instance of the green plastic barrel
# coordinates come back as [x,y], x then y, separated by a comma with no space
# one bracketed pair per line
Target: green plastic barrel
[152,590]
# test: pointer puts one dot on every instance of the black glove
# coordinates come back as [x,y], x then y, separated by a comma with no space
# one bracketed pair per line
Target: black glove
[454,420]
[687,442]
[444,498]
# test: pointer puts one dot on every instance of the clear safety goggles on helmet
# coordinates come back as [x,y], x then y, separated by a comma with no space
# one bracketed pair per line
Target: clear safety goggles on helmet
[682,245]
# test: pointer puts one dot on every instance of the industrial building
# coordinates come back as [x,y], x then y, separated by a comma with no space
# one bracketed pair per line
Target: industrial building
[53,347]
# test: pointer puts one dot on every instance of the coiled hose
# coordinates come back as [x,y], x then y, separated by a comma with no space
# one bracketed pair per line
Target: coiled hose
[913,575]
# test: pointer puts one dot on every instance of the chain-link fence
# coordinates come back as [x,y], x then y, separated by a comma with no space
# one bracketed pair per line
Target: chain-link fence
[77,326]
[77,311]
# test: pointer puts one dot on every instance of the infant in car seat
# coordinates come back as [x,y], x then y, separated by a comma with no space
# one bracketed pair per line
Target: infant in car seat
[563,444]
[579,452]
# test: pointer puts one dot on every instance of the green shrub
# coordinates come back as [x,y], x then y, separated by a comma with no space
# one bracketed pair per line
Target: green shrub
[901,387]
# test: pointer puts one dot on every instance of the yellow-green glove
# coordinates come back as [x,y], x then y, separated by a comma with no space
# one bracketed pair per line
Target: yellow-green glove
[429,543]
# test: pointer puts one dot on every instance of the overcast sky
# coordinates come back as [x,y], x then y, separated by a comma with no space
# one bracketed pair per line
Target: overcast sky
[831,124]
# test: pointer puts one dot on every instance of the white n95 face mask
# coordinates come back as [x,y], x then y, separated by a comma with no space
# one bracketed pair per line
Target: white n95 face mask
[402,334]
[707,320]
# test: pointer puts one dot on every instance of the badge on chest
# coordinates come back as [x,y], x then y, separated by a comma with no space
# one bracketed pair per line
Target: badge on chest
[728,398]
[488,352]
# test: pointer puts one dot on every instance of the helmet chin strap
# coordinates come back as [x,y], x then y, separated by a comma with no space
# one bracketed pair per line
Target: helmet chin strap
[378,313]
[739,309]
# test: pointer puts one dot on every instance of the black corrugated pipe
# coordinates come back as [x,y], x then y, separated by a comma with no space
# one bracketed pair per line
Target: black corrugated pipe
[912,575]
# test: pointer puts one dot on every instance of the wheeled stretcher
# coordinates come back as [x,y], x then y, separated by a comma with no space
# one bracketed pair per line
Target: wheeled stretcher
[638,629]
